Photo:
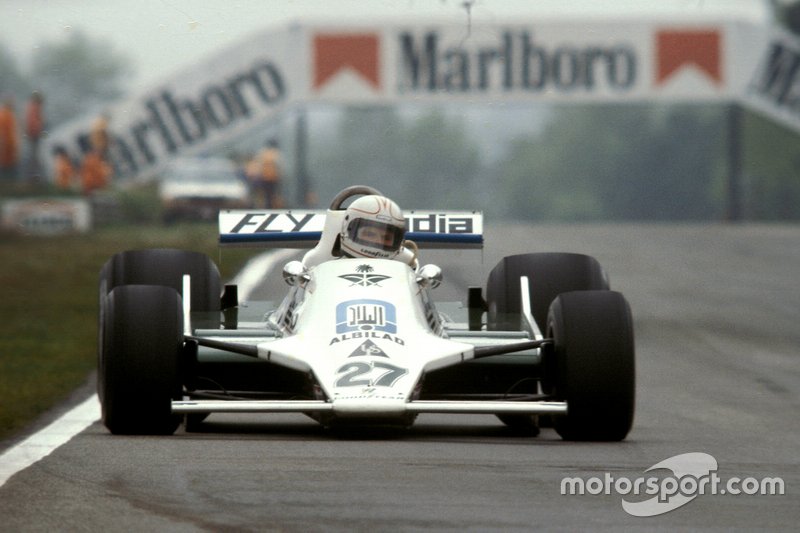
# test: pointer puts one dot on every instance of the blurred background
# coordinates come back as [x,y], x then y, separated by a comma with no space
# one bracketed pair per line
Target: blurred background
[515,160]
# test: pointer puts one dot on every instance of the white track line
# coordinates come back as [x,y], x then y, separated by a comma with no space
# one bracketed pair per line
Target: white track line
[43,443]
[47,440]
[256,270]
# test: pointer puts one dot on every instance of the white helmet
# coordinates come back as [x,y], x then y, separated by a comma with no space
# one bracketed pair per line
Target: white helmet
[373,226]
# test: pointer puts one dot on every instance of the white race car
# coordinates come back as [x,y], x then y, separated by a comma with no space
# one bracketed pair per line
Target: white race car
[360,341]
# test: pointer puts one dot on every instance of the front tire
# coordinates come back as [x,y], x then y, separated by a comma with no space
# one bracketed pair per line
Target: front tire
[594,364]
[139,374]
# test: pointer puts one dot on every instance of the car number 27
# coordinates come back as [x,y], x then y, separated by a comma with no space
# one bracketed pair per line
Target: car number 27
[373,374]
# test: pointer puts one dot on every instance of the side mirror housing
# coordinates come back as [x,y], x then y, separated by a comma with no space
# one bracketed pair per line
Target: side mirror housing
[295,273]
[429,276]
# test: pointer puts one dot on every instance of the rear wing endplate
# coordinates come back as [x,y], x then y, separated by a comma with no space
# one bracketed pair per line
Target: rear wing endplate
[276,228]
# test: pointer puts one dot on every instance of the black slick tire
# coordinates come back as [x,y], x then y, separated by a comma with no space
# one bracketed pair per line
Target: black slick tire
[139,372]
[593,355]
[549,274]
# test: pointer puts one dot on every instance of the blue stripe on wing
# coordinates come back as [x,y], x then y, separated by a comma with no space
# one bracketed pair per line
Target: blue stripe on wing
[299,236]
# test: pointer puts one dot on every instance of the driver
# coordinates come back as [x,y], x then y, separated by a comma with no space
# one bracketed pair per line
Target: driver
[373,226]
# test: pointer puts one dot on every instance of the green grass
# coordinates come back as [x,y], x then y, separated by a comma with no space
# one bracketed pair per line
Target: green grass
[48,321]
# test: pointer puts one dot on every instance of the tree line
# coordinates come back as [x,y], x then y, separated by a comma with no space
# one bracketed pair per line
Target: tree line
[591,162]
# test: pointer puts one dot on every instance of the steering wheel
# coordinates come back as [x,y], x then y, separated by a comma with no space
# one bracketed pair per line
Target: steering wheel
[355,190]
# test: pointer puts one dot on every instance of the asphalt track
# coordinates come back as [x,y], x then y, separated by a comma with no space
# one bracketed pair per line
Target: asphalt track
[716,311]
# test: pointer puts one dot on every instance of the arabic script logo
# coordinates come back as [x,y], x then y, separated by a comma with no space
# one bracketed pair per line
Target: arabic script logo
[366,315]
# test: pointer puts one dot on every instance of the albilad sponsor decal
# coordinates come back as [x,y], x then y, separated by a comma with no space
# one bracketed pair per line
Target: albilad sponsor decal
[366,319]
[366,315]
[358,335]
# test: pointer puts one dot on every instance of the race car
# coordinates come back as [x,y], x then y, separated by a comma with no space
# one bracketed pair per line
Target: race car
[360,341]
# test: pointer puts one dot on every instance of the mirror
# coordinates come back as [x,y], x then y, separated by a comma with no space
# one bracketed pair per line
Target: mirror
[295,273]
[429,276]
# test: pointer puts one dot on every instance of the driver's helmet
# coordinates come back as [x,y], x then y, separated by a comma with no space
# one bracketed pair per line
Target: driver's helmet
[373,226]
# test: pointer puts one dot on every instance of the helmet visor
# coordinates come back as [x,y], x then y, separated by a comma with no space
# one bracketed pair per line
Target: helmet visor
[375,234]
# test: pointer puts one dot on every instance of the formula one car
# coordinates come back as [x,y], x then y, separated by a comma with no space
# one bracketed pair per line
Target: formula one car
[360,341]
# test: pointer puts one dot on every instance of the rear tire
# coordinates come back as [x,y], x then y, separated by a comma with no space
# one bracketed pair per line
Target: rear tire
[164,267]
[549,274]
[594,357]
[139,374]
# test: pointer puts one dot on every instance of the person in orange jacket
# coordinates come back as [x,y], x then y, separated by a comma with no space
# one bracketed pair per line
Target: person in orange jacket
[99,136]
[264,173]
[63,170]
[95,173]
[34,129]
[9,142]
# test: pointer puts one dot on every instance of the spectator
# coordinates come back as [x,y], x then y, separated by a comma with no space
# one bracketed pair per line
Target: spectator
[34,128]
[64,170]
[264,173]
[9,142]
[99,138]
[95,173]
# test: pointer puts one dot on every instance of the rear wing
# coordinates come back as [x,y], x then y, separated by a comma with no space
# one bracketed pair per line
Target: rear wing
[275,228]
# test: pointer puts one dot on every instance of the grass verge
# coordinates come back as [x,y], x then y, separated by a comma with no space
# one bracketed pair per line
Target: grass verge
[48,317]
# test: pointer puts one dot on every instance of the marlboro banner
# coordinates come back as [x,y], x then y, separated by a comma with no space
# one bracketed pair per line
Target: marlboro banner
[774,86]
[243,88]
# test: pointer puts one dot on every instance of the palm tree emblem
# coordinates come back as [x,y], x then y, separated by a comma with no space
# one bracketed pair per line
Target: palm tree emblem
[364,276]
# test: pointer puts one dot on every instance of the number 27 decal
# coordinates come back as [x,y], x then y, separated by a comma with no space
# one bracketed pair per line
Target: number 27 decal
[375,374]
